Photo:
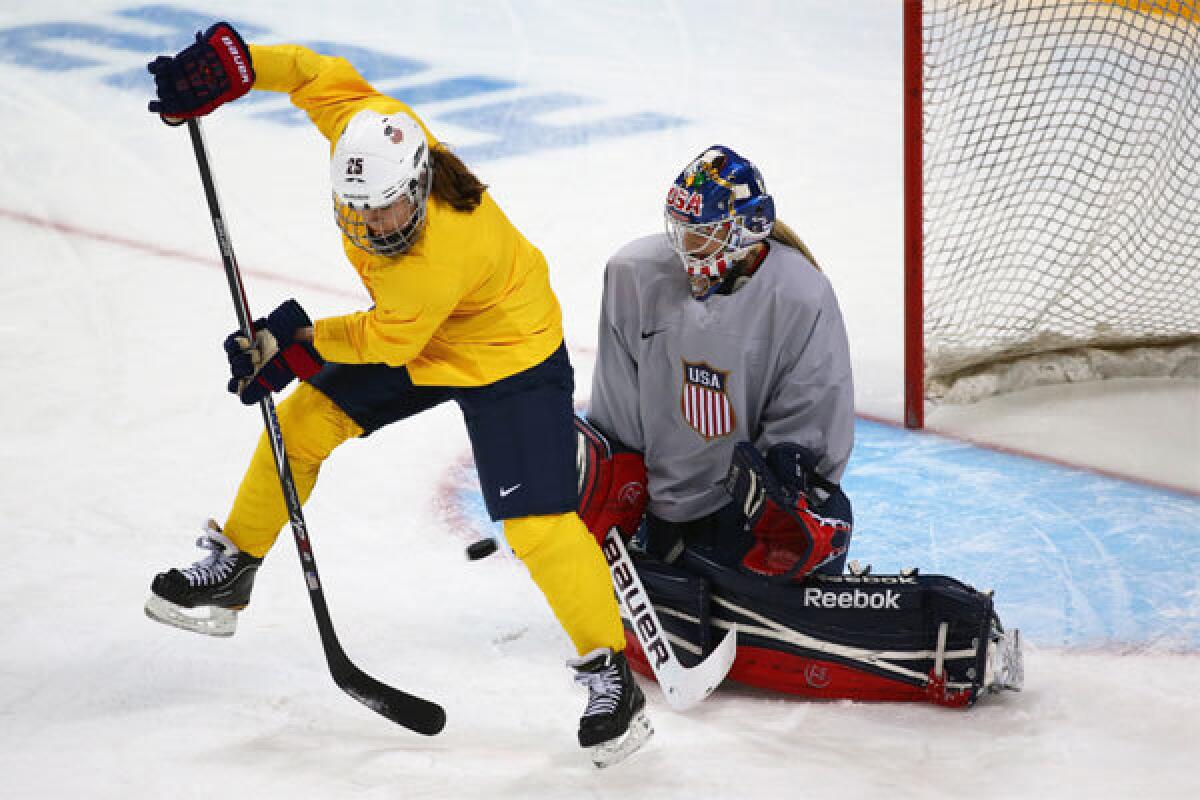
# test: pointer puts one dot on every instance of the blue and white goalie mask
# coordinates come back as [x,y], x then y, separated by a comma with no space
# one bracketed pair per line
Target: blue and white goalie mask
[382,176]
[716,210]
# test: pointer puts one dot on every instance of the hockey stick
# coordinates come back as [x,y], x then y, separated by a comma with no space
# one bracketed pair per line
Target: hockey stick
[400,707]
[682,686]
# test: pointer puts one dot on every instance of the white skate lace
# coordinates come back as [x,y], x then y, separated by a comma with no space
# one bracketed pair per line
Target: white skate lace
[214,568]
[604,690]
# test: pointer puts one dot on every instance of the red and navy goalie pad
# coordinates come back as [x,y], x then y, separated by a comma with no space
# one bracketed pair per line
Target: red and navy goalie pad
[871,638]
[801,522]
[612,483]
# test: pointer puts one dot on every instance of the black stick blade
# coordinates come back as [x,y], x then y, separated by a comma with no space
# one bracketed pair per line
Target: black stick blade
[414,713]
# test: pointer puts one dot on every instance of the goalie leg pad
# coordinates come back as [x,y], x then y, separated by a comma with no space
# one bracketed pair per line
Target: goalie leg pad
[905,637]
[682,602]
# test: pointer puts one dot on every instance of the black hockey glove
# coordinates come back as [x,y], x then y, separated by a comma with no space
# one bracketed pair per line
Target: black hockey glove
[778,495]
[275,358]
[210,72]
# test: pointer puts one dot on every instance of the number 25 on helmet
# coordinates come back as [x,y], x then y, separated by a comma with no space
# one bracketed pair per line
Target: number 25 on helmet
[381,176]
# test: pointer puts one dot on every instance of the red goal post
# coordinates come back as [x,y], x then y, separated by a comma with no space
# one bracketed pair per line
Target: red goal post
[1052,194]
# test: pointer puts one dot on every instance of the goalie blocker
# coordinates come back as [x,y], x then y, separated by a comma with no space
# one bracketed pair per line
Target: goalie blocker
[905,637]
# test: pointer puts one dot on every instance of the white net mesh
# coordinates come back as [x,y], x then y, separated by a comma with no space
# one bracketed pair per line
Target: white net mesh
[1061,191]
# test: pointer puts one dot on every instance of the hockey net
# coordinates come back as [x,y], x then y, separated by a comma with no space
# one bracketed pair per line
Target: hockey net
[1061,192]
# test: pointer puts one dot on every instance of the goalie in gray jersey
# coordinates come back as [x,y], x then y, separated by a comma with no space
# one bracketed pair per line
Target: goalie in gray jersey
[719,333]
[720,425]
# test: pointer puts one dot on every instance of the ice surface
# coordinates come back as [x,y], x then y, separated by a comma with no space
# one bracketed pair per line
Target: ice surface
[118,437]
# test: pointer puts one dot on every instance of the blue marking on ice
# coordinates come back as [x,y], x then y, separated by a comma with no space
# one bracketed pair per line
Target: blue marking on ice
[509,127]
[518,130]
[466,495]
[1077,559]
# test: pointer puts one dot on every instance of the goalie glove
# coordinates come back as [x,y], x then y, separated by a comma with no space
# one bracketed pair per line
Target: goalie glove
[210,72]
[275,358]
[792,538]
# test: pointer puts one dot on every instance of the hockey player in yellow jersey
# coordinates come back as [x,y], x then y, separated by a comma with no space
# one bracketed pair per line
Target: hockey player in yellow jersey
[463,311]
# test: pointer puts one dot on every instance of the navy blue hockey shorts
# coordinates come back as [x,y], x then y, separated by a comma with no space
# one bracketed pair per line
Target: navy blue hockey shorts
[521,427]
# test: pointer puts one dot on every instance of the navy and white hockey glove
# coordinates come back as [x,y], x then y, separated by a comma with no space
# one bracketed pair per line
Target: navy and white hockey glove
[795,533]
[275,358]
[212,71]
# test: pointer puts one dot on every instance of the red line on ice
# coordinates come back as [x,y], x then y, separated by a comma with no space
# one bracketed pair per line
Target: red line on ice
[167,252]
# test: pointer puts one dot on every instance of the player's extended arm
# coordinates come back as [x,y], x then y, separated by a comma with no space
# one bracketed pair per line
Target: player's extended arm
[327,88]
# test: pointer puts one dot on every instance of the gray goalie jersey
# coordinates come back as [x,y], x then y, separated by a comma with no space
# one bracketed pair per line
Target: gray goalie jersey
[683,381]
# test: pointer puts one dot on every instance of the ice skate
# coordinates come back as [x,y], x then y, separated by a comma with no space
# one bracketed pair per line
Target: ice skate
[207,596]
[1005,666]
[614,724]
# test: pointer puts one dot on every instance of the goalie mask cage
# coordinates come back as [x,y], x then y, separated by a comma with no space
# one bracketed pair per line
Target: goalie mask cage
[1052,194]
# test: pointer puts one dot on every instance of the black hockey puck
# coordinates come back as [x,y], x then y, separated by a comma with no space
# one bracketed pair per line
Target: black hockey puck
[481,549]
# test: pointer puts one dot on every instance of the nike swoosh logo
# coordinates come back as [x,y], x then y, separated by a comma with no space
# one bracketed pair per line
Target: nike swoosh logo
[506,492]
[648,334]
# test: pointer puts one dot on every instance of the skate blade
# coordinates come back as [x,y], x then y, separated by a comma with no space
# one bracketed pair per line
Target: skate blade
[1005,663]
[208,620]
[606,754]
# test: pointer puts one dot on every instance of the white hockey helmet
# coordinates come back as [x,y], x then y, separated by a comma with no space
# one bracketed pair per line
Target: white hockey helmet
[381,175]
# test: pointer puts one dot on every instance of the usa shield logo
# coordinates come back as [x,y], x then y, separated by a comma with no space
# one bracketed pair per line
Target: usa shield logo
[705,403]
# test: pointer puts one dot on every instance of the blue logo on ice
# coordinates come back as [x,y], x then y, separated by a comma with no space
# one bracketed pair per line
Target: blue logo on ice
[512,125]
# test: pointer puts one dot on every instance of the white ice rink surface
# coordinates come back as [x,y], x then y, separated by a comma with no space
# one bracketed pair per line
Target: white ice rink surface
[117,437]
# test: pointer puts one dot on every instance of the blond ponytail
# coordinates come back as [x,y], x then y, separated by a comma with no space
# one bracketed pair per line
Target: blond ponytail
[783,234]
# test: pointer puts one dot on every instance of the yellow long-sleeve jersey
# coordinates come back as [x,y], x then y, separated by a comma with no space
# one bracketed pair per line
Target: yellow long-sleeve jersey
[470,303]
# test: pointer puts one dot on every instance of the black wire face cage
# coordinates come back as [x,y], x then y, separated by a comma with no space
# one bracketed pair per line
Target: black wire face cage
[401,228]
